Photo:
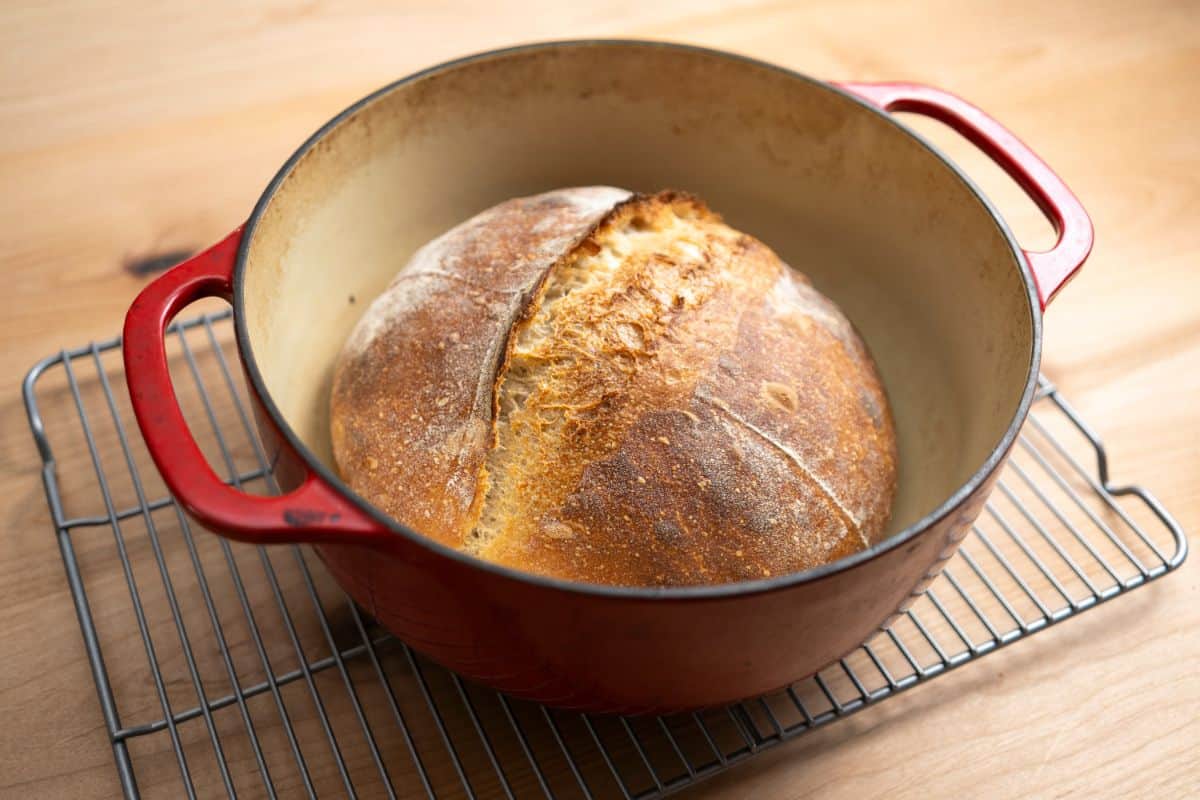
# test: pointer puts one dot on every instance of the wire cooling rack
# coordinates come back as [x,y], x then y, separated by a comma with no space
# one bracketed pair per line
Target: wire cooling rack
[224,669]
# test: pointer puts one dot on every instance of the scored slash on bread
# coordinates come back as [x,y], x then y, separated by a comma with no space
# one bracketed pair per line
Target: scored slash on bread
[618,389]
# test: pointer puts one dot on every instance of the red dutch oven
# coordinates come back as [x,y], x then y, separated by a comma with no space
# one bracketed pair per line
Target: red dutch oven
[949,303]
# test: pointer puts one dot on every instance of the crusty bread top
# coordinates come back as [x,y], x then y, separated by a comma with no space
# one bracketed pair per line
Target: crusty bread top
[413,399]
[616,389]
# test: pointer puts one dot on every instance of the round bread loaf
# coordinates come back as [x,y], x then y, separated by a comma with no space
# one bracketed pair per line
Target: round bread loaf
[617,389]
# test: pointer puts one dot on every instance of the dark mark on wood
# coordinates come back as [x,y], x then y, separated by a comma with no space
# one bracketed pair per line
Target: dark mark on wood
[156,262]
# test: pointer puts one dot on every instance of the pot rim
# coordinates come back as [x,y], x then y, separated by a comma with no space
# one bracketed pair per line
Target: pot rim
[701,592]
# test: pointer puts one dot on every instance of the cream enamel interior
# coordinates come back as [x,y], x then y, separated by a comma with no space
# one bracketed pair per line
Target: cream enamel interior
[879,223]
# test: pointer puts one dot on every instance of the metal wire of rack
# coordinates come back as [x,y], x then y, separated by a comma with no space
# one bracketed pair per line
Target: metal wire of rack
[246,672]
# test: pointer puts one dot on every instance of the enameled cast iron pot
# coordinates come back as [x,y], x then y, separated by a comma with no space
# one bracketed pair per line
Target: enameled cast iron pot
[948,302]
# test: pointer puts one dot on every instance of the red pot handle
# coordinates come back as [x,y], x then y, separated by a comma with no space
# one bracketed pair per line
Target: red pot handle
[1054,267]
[313,512]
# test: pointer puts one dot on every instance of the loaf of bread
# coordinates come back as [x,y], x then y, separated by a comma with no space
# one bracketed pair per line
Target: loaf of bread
[617,389]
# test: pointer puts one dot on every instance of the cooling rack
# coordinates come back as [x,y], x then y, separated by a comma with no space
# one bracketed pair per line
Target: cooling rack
[224,669]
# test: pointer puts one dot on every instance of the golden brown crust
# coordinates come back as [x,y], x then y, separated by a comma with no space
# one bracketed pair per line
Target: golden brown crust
[677,406]
[413,390]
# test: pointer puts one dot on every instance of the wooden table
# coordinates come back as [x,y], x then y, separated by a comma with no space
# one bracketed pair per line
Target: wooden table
[129,131]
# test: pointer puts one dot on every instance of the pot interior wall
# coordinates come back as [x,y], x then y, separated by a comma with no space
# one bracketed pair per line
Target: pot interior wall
[879,224]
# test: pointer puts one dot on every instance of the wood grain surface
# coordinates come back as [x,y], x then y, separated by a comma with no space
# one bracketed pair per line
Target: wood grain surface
[134,132]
